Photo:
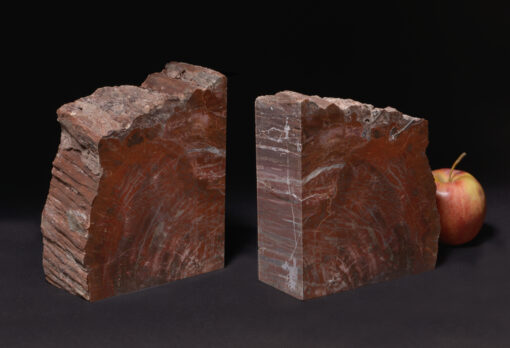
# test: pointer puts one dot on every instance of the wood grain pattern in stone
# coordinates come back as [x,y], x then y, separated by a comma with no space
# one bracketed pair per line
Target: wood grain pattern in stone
[137,194]
[345,194]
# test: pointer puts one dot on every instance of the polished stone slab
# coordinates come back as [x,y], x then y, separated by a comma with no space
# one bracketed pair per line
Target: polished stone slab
[345,194]
[137,196]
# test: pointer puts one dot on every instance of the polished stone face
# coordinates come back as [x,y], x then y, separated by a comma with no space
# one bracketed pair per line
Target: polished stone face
[137,194]
[345,194]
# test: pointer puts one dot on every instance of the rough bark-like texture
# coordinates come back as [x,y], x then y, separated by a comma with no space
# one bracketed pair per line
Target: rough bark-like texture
[137,194]
[345,194]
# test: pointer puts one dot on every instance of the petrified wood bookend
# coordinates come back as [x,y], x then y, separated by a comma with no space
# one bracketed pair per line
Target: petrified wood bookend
[345,194]
[137,194]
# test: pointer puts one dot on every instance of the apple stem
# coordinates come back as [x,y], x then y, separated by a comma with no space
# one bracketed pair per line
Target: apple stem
[450,177]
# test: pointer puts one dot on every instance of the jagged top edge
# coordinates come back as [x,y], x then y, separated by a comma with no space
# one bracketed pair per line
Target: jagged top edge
[110,108]
[198,75]
[114,108]
[325,102]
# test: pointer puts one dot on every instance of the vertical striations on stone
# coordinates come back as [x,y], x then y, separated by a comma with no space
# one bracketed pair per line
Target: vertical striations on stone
[137,193]
[280,238]
[349,185]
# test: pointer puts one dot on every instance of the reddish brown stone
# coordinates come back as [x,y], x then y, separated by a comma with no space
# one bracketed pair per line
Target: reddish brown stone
[137,194]
[345,194]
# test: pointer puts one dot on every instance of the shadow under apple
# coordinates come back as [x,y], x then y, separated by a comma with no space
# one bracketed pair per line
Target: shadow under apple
[486,234]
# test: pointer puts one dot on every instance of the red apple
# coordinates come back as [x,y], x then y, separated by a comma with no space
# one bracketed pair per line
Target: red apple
[461,204]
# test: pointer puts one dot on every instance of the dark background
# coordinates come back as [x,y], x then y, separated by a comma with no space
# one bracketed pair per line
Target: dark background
[444,61]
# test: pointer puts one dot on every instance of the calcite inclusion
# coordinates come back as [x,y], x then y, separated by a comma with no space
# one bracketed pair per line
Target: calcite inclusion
[137,194]
[345,194]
